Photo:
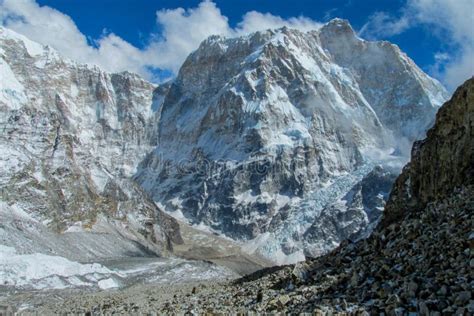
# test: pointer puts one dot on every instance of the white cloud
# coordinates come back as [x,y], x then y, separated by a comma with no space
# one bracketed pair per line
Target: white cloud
[381,24]
[454,20]
[451,20]
[51,27]
[182,31]
[256,21]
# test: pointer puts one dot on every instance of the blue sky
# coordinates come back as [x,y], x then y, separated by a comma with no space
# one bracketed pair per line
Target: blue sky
[153,36]
[134,20]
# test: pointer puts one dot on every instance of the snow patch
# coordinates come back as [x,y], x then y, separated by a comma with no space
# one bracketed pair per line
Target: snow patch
[11,90]
[74,91]
[109,283]
[99,177]
[40,271]
[75,228]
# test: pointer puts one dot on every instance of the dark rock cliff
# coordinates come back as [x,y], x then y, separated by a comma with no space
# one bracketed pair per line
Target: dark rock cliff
[442,162]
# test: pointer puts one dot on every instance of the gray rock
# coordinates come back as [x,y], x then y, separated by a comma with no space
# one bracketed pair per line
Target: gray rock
[462,297]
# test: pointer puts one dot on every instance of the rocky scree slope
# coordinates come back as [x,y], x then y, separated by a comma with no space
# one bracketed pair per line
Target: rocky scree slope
[71,138]
[419,258]
[259,134]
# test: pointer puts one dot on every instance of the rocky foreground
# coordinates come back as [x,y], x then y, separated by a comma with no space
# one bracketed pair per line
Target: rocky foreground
[424,265]
[418,260]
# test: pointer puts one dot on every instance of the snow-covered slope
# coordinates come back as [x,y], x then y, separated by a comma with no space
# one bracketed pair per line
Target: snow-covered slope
[263,132]
[71,137]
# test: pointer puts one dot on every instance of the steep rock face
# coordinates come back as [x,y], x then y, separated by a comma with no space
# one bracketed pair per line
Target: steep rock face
[419,260]
[72,136]
[254,126]
[404,98]
[440,163]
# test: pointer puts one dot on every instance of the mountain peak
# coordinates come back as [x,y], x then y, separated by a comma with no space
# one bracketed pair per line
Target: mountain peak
[338,23]
[285,98]
[219,44]
[33,48]
[338,27]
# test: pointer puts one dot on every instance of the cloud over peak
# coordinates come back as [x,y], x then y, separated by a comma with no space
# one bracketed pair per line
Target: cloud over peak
[451,20]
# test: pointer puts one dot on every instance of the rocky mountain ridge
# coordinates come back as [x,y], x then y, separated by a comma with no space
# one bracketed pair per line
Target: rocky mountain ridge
[440,163]
[258,134]
[72,136]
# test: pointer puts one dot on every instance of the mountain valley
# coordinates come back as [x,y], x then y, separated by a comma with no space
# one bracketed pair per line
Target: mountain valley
[280,171]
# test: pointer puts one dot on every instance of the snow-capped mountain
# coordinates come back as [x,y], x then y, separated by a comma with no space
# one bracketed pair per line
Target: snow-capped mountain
[260,136]
[71,137]
[283,140]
